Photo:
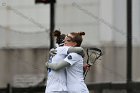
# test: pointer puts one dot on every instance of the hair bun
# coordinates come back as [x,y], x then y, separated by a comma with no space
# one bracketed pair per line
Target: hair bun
[81,33]
[57,33]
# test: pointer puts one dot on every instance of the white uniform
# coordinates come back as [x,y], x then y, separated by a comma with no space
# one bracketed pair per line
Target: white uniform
[75,79]
[56,82]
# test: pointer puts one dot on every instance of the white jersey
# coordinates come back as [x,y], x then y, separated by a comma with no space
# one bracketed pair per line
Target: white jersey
[56,81]
[75,79]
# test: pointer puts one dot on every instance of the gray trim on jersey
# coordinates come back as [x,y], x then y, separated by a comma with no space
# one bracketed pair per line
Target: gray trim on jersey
[78,50]
[57,66]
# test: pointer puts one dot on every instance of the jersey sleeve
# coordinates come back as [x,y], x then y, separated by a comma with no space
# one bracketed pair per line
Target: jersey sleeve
[72,58]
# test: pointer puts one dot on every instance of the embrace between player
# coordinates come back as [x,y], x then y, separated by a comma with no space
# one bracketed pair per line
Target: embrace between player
[66,66]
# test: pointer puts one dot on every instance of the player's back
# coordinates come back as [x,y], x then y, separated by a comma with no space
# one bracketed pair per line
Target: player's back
[57,79]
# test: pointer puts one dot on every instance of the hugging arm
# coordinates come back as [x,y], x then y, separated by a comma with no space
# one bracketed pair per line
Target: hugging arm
[78,50]
[57,66]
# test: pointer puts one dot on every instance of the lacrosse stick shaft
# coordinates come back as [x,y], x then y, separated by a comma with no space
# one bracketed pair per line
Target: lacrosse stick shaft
[85,73]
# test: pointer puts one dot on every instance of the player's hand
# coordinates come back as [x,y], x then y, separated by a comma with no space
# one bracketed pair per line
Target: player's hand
[86,67]
[46,64]
[53,52]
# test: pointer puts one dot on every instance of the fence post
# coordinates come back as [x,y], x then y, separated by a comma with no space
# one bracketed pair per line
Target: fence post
[9,89]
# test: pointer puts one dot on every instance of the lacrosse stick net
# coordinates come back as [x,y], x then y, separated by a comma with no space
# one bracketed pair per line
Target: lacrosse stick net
[93,55]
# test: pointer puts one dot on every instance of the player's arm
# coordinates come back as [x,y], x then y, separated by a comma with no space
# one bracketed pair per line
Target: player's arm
[57,66]
[78,50]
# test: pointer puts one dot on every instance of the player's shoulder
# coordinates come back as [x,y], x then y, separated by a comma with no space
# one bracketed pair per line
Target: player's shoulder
[74,55]
[62,50]
[62,47]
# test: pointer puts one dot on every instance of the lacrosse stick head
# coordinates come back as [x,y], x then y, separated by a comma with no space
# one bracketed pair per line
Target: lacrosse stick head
[93,55]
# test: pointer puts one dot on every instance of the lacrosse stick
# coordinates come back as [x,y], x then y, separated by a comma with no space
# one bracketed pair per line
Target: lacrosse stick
[93,54]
